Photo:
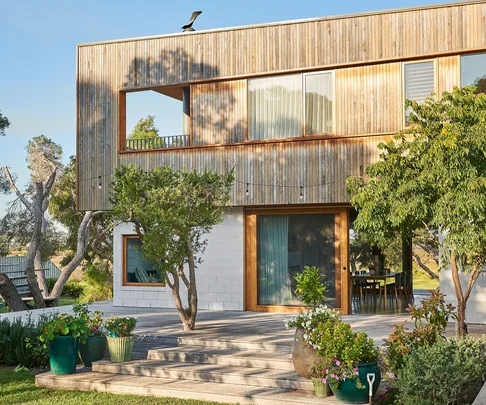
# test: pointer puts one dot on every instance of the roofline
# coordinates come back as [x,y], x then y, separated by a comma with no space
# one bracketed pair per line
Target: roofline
[288,22]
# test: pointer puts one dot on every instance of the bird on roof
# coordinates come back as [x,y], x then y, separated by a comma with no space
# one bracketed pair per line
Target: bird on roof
[188,26]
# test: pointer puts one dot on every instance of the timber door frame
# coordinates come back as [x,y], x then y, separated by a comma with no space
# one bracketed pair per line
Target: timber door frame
[250,265]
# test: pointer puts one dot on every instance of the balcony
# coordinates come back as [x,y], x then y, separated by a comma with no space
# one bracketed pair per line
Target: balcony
[159,142]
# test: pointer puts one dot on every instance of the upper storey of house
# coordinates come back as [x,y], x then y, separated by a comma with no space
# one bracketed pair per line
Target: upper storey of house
[295,107]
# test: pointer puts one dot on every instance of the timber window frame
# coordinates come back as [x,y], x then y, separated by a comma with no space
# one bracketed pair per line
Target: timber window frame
[125,282]
[404,84]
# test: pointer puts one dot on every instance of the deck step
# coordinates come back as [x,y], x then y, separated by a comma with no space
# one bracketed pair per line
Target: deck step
[257,377]
[224,357]
[233,344]
[175,388]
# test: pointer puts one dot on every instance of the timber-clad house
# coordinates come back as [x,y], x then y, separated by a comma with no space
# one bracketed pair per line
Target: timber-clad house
[295,107]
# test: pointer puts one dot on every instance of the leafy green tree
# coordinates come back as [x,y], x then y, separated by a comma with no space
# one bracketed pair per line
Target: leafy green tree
[145,128]
[432,175]
[310,286]
[172,211]
[4,124]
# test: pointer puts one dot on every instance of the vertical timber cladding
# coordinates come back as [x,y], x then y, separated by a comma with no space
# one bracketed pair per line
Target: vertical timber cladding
[276,171]
[105,69]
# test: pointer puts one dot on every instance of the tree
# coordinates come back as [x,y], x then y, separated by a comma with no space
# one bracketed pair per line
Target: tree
[4,124]
[171,212]
[432,175]
[44,161]
[145,128]
[62,208]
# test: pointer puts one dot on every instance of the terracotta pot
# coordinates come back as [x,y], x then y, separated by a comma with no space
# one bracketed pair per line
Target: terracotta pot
[304,355]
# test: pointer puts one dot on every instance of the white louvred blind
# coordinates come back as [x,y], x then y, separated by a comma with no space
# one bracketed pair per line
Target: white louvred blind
[419,83]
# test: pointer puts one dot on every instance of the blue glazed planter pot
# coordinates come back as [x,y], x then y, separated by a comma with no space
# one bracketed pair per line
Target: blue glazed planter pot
[347,391]
[63,355]
[92,350]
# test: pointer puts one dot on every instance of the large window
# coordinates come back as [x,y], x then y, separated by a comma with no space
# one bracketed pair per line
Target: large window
[137,270]
[473,71]
[419,83]
[275,107]
[287,243]
[318,103]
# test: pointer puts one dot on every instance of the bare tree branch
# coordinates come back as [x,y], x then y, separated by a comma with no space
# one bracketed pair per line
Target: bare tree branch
[424,267]
[14,188]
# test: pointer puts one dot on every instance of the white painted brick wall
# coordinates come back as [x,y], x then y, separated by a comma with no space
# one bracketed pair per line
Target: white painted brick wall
[219,277]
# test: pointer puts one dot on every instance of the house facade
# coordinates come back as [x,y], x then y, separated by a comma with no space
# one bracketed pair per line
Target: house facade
[295,108]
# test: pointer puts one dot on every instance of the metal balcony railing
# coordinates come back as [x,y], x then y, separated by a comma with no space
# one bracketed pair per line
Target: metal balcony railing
[160,142]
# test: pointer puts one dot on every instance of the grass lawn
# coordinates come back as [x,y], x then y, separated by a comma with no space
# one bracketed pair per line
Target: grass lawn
[62,301]
[19,388]
[423,282]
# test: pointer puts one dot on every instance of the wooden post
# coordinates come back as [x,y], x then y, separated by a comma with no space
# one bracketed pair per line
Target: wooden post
[407,264]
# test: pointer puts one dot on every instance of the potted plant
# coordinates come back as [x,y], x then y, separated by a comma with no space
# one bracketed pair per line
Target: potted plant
[95,346]
[120,339]
[309,324]
[311,291]
[63,335]
[350,357]
[319,380]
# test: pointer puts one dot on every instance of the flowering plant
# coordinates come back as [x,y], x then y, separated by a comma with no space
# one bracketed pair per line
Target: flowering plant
[314,321]
[65,325]
[93,320]
[120,326]
[339,371]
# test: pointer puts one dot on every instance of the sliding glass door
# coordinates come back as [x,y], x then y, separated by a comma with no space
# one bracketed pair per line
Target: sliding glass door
[279,245]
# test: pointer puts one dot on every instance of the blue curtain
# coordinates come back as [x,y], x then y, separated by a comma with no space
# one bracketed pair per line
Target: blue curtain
[273,267]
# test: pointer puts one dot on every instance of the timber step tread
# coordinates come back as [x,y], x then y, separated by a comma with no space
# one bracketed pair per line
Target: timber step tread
[274,360]
[234,343]
[260,377]
[84,380]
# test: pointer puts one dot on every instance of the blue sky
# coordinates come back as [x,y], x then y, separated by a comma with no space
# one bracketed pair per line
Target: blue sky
[38,45]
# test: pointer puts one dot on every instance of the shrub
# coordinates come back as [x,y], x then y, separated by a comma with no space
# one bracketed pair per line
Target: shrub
[50,283]
[310,287]
[73,290]
[65,325]
[430,320]
[443,373]
[94,320]
[120,327]
[19,342]
[98,282]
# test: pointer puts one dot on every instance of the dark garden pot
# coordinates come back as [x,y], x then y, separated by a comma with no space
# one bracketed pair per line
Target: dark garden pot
[304,355]
[120,348]
[63,355]
[92,350]
[348,392]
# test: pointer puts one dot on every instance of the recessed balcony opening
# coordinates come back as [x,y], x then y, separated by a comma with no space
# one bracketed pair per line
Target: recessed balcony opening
[157,119]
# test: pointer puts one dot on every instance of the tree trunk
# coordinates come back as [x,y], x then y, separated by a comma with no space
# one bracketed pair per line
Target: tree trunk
[461,327]
[10,295]
[192,290]
[34,246]
[40,274]
[82,244]
[424,267]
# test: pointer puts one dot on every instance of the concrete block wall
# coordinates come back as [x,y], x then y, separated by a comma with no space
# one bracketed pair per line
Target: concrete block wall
[219,277]
[476,304]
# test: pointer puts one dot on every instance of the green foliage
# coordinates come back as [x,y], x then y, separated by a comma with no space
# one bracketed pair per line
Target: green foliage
[50,283]
[73,290]
[120,326]
[4,124]
[430,320]
[97,282]
[444,373]
[426,172]
[145,128]
[65,325]
[172,211]
[94,320]
[310,287]
[19,342]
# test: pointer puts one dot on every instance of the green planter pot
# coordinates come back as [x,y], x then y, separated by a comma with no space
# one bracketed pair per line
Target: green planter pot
[120,348]
[63,354]
[321,389]
[347,391]
[92,350]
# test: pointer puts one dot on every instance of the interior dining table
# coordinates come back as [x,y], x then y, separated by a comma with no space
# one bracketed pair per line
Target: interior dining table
[375,277]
